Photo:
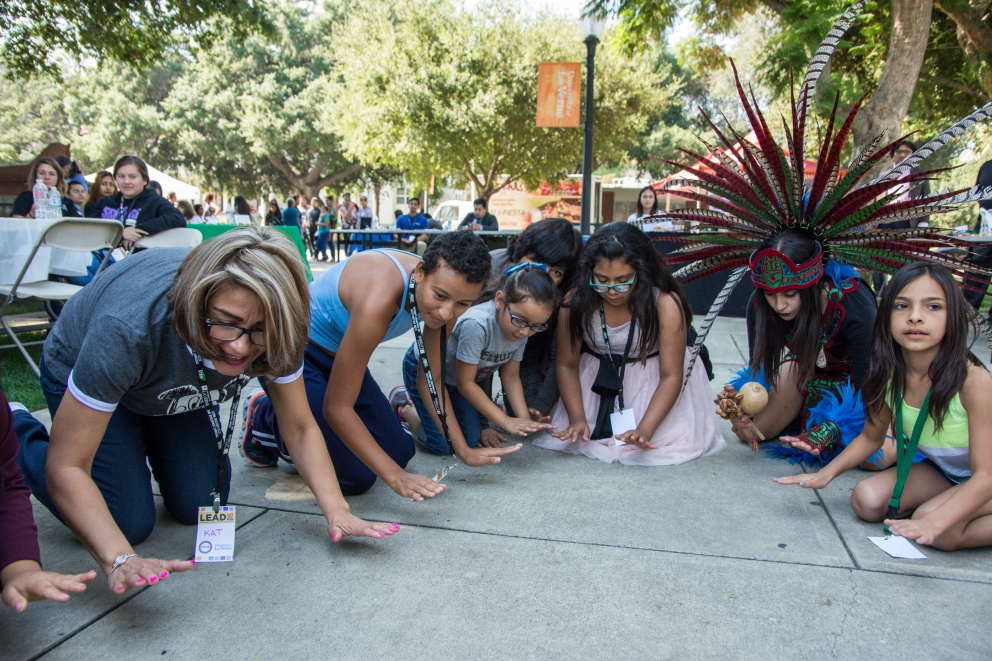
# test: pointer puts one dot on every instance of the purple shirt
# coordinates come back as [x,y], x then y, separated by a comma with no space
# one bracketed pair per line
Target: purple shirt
[18,534]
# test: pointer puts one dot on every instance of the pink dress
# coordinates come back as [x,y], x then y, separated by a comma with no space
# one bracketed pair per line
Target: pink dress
[691,429]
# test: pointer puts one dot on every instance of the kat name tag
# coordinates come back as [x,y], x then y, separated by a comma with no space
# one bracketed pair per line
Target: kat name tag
[215,535]
[622,422]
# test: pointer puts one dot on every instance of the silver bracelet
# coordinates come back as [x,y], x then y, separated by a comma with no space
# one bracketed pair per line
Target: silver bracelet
[121,559]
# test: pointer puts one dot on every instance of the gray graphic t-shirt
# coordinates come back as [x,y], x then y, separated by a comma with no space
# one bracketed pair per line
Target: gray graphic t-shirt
[115,343]
[478,339]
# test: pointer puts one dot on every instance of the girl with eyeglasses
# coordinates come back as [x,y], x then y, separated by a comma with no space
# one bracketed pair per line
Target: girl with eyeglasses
[622,333]
[133,372]
[489,338]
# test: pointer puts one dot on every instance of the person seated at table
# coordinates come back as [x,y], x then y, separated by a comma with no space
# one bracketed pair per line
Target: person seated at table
[356,305]
[77,195]
[415,243]
[21,577]
[143,211]
[133,373]
[48,170]
[480,218]
[103,186]
[186,209]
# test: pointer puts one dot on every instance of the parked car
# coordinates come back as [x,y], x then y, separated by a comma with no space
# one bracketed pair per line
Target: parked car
[450,212]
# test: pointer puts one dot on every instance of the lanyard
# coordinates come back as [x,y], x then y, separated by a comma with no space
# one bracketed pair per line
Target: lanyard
[125,210]
[422,354]
[609,351]
[223,439]
[905,451]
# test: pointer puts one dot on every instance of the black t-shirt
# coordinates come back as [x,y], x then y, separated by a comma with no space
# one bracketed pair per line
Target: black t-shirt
[147,211]
[852,342]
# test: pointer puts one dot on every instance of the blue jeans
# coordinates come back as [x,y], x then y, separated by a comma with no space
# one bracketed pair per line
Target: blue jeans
[372,408]
[322,244]
[181,450]
[428,434]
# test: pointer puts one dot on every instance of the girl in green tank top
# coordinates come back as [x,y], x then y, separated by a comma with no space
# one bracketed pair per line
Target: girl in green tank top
[921,365]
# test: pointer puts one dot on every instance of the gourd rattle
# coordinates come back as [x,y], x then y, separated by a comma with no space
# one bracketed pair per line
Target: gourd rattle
[751,400]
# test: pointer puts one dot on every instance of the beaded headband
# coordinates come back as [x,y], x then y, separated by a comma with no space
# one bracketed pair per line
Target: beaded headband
[774,272]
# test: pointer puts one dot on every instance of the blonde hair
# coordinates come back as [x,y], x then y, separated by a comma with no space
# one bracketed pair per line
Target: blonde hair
[33,173]
[266,263]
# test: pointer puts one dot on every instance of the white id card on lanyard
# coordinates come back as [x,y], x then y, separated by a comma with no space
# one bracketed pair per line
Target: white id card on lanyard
[622,421]
[215,534]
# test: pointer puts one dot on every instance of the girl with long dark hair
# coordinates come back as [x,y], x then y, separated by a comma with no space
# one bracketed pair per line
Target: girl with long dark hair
[922,365]
[809,327]
[622,345]
[647,203]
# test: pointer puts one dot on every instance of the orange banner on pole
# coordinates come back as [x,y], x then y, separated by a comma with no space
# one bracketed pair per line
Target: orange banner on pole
[558,93]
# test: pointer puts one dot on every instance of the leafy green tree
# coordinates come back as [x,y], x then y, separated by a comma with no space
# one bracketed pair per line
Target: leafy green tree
[432,89]
[252,110]
[38,35]
[32,115]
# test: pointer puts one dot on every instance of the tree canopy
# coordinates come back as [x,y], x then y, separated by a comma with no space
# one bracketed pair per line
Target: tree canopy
[39,35]
[435,90]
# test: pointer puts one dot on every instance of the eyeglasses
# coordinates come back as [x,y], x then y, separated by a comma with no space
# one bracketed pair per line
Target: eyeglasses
[620,287]
[520,322]
[525,265]
[229,333]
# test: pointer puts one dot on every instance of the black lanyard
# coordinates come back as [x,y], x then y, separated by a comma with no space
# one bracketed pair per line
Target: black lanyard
[422,354]
[905,451]
[223,439]
[609,352]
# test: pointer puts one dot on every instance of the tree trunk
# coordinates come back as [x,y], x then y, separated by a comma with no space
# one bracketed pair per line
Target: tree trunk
[975,37]
[378,201]
[887,108]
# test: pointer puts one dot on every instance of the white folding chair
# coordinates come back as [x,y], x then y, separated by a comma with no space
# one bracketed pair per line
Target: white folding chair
[82,235]
[177,237]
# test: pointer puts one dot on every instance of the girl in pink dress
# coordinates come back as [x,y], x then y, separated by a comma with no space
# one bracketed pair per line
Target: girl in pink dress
[622,345]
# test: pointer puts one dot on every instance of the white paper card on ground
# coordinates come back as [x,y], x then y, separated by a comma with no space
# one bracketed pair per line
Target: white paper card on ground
[622,422]
[898,547]
[215,534]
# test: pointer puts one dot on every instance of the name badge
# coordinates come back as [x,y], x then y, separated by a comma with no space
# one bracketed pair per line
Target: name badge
[622,422]
[215,534]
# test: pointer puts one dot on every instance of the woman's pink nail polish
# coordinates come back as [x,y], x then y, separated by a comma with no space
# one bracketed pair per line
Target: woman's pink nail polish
[140,581]
[120,588]
[164,574]
[193,561]
[153,579]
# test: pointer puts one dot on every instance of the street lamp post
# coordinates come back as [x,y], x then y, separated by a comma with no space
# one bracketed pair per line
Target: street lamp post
[592,29]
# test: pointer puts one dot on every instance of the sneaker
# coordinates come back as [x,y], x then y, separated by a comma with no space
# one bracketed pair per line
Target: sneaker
[398,399]
[254,452]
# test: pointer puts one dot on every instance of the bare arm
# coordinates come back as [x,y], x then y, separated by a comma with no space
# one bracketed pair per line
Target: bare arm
[672,331]
[567,371]
[863,446]
[77,432]
[976,492]
[370,317]
[309,452]
[470,456]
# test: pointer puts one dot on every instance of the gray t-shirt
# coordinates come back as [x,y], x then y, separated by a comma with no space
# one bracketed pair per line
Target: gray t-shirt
[115,343]
[478,340]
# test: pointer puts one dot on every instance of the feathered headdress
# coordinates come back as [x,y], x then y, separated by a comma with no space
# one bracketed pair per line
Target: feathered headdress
[760,189]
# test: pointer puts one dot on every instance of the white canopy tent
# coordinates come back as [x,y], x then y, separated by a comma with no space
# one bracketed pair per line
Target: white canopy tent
[182,190]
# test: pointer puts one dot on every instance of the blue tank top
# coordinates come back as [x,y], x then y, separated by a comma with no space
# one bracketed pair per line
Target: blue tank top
[328,316]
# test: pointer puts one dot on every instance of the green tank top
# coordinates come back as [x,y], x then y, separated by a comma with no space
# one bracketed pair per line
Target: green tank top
[948,448]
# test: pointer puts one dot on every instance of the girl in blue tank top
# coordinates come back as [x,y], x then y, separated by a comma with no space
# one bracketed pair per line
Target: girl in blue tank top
[922,365]
[360,303]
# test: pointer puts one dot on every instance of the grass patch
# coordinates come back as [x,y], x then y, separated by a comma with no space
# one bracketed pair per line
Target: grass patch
[17,379]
